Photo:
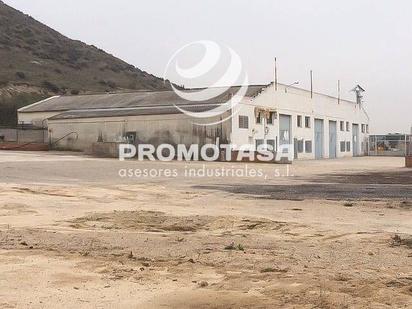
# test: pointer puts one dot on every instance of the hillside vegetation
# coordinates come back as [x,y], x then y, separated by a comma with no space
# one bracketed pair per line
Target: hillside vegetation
[37,61]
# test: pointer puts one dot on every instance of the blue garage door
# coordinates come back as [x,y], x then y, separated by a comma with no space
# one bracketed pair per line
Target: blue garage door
[318,138]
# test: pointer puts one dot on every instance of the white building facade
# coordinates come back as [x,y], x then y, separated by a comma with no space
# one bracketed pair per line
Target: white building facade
[316,125]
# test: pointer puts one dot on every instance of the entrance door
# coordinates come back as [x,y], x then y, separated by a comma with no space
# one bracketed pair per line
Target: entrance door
[332,139]
[318,138]
[285,136]
[355,139]
[295,147]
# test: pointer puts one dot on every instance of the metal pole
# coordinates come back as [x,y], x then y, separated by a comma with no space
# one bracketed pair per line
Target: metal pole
[338,91]
[276,75]
[376,146]
[311,84]
[406,147]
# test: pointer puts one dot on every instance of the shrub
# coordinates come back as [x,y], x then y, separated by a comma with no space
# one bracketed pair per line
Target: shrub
[20,75]
[74,92]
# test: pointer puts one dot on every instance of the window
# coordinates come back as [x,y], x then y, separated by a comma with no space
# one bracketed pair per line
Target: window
[299,121]
[259,118]
[259,142]
[300,146]
[347,146]
[130,137]
[272,143]
[347,126]
[272,117]
[367,128]
[307,122]
[243,122]
[342,125]
[363,128]
[308,146]
[342,146]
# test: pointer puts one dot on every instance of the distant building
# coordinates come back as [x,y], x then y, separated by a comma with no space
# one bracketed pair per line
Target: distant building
[318,125]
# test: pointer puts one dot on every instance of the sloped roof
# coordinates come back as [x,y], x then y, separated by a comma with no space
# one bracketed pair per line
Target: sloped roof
[133,111]
[128,100]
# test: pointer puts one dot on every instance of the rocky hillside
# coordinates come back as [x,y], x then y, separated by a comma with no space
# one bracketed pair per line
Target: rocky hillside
[37,61]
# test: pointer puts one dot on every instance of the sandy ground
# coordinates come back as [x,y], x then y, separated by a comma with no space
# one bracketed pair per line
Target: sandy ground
[76,233]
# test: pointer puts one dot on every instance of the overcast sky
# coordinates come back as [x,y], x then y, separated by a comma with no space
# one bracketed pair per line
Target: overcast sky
[357,41]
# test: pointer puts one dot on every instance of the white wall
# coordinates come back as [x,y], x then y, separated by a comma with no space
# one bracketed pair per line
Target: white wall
[294,101]
[240,137]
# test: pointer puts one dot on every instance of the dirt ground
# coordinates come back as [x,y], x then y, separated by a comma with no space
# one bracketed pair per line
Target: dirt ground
[75,232]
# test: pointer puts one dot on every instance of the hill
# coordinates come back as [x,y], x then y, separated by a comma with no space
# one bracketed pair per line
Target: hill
[37,61]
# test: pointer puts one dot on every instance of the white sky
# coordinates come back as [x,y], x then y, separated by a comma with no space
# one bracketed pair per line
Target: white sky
[357,41]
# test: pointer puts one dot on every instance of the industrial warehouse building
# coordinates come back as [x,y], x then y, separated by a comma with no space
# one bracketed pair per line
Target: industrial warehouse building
[317,125]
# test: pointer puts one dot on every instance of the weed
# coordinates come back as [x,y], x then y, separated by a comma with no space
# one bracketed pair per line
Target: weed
[232,246]
[203,284]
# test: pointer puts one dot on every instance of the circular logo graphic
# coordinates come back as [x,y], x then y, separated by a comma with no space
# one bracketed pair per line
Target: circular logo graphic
[223,94]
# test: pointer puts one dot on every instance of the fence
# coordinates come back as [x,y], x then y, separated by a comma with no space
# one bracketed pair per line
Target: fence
[392,145]
[23,135]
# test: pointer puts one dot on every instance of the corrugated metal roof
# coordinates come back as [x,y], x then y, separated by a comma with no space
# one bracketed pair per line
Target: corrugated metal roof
[136,111]
[127,100]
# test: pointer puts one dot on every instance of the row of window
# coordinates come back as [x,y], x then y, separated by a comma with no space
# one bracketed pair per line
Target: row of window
[364,127]
[244,122]
[342,126]
[307,121]
[270,142]
[307,144]
[302,146]
[344,146]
